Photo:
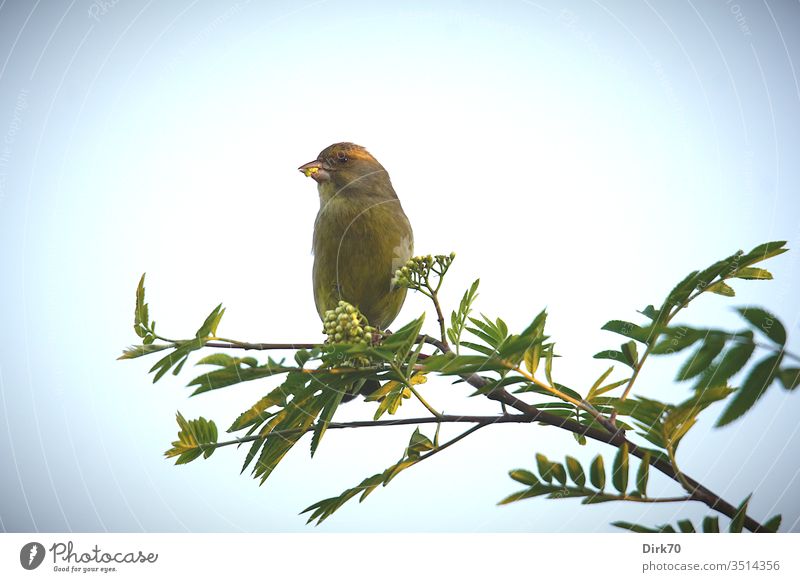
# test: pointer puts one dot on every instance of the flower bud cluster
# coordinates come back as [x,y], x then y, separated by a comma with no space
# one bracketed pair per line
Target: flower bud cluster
[346,325]
[416,271]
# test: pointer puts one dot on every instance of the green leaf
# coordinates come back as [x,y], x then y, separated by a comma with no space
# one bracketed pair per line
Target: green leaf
[598,383]
[628,350]
[733,360]
[597,473]
[163,366]
[619,475]
[140,315]
[790,378]
[711,524]
[524,477]
[401,341]
[545,467]
[391,396]
[773,523]
[557,470]
[138,351]
[548,364]
[650,312]
[458,318]
[678,339]
[332,399]
[241,370]
[753,273]
[763,252]
[257,412]
[209,326]
[534,491]
[643,474]
[765,322]
[418,444]
[452,365]
[532,357]
[194,439]
[634,527]
[679,419]
[290,424]
[682,290]
[754,386]
[575,471]
[628,329]
[613,355]
[721,288]
[737,523]
[686,526]
[702,358]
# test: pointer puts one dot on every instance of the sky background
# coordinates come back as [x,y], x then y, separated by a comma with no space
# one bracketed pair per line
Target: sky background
[582,156]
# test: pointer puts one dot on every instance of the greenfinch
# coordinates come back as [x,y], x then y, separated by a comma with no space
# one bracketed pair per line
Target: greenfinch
[361,235]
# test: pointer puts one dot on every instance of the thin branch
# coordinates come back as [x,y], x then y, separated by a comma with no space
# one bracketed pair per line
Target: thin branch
[454,440]
[483,420]
[653,499]
[697,491]
[260,346]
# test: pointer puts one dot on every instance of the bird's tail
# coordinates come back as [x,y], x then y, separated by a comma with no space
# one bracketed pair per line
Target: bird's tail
[368,388]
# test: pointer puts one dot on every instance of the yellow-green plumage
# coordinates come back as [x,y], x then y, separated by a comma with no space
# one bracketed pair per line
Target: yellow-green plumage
[361,234]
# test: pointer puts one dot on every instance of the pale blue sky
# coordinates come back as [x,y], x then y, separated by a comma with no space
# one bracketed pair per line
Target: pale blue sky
[582,156]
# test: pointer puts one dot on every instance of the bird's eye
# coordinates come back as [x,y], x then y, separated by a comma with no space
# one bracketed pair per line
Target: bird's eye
[342,157]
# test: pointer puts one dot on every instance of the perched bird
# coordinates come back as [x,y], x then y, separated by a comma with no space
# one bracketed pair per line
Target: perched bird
[361,234]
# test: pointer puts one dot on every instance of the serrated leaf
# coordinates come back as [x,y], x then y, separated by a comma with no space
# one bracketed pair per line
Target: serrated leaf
[332,400]
[733,360]
[765,322]
[194,437]
[209,327]
[753,273]
[459,318]
[615,355]
[702,358]
[678,339]
[650,312]
[763,252]
[753,388]
[165,364]
[682,290]
[627,329]
[139,351]
[721,288]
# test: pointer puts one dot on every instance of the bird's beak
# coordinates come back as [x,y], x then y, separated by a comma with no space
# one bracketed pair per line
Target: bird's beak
[315,170]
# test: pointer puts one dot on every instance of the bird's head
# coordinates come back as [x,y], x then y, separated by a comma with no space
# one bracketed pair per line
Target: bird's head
[348,169]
